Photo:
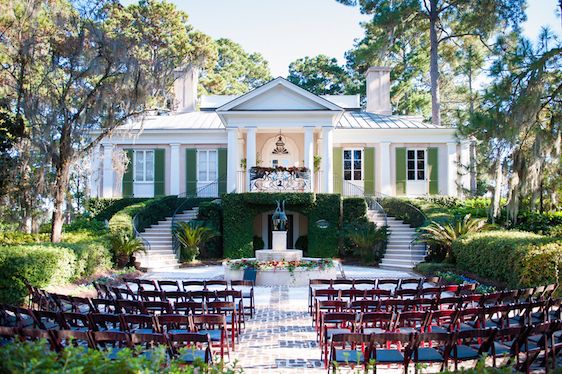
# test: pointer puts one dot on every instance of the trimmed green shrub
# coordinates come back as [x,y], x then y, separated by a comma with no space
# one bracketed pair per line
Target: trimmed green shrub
[91,249]
[39,265]
[302,244]
[210,213]
[239,211]
[354,210]
[103,209]
[18,237]
[540,223]
[404,210]
[518,259]
[431,268]
[36,357]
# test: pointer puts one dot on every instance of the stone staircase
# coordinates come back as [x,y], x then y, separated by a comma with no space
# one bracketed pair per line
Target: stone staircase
[160,255]
[398,254]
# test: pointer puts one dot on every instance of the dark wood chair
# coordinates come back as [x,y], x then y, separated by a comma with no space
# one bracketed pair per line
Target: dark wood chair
[349,349]
[112,342]
[190,346]
[168,285]
[391,348]
[215,326]
[432,348]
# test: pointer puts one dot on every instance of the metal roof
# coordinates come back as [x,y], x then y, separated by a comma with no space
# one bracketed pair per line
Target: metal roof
[367,120]
[211,121]
[179,121]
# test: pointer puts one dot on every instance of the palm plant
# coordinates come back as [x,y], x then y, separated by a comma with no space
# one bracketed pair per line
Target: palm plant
[125,247]
[442,235]
[369,240]
[191,236]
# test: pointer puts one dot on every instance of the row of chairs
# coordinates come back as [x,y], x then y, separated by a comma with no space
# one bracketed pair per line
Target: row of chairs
[223,329]
[432,292]
[184,346]
[446,320]
[522,346]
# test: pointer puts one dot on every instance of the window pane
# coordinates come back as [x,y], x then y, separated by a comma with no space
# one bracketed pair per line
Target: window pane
[357,154]
[347,165]
[347,155]
[139,166]
[149,166]
[411,175]
[347,175]
[421,155]
[357,165]
[202,165]
[411,155]
[421,165]
[357,175]
[421,175]
[212,165]
[411,164]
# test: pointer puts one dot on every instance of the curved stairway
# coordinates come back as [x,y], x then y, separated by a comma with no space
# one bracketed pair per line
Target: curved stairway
[398,253]
[160,256]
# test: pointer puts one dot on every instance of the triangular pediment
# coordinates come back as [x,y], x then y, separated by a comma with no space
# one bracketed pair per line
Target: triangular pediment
[279,95]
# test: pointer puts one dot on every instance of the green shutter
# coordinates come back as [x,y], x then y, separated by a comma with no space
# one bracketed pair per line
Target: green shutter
[159,172]
[433,165]
[338,169]
[222,170]
[127,185]
[369,171]
[191,171]
[400,171]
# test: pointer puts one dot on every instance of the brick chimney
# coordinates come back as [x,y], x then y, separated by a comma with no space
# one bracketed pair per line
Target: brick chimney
[185,88]
[378,90]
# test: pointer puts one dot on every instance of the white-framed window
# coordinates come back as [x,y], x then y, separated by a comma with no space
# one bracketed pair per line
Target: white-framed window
[416,164]
[353,164]
[207,165]
[143,163]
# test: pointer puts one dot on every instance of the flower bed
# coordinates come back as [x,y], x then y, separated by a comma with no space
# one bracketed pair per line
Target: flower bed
[274,273]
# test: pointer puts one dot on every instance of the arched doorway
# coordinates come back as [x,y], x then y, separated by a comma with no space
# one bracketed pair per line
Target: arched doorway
[280,150]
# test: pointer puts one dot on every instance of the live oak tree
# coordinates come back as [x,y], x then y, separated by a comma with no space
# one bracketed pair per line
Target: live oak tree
[71,68]
[444,21]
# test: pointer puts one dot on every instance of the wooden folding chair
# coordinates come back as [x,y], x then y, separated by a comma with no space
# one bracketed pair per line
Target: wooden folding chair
[191,346]
[349,349]
[215,326]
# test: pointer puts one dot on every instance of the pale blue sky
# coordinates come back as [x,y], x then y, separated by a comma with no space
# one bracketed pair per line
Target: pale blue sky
[289,29]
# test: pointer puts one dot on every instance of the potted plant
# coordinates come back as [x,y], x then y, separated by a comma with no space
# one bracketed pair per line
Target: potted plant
[124,248]
[191,236]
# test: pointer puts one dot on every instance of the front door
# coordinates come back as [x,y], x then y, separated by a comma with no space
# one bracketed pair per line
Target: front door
[290,231]
[417,183]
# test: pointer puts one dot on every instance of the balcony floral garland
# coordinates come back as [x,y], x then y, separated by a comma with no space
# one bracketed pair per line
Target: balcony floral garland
[291,266]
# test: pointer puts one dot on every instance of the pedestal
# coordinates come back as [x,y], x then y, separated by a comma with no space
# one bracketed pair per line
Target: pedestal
[279,240]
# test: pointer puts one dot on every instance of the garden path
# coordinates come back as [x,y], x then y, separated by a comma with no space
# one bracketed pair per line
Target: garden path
[280,338]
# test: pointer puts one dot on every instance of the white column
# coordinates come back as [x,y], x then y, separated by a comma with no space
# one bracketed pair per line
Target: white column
[452,169]
[327,158]
[250,153]
[233,160]
[465,162]
[174,169]
[108,170]
[95,172]
[309,153]
[384,169]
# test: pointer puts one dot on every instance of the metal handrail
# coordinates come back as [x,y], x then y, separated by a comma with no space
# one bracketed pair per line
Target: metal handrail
[186,195]
[416,240]
[373,204]
[380,195]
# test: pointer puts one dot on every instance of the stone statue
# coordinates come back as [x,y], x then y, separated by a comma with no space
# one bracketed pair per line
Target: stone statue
[279,219]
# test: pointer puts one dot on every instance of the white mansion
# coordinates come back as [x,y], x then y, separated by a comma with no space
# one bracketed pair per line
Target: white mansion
[215,145]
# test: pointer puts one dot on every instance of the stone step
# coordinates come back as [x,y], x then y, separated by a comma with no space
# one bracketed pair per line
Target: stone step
[156,234]
[159,252]
[153,262]
[403,256]
[157,269]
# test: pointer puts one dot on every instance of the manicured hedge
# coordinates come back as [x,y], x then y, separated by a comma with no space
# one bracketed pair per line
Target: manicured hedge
[103,209]
[354,210]
[541,223]
[210,214]
[404,210]
[518,259]
[40,265]
[149,212]
[239,211]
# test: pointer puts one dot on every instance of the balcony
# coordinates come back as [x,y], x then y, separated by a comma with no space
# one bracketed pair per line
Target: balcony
[275,180]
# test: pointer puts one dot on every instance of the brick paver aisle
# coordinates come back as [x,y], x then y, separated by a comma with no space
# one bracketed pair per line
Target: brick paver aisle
[280,337]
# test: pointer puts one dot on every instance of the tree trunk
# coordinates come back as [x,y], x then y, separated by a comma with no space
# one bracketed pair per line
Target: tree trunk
[434,65]
[61,183]
[496,197]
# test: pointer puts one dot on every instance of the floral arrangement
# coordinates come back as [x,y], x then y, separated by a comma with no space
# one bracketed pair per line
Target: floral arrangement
[321,264]
[450,277]
[291,169]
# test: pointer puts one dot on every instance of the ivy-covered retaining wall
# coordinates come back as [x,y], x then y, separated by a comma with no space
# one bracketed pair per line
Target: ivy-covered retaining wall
[239,211]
